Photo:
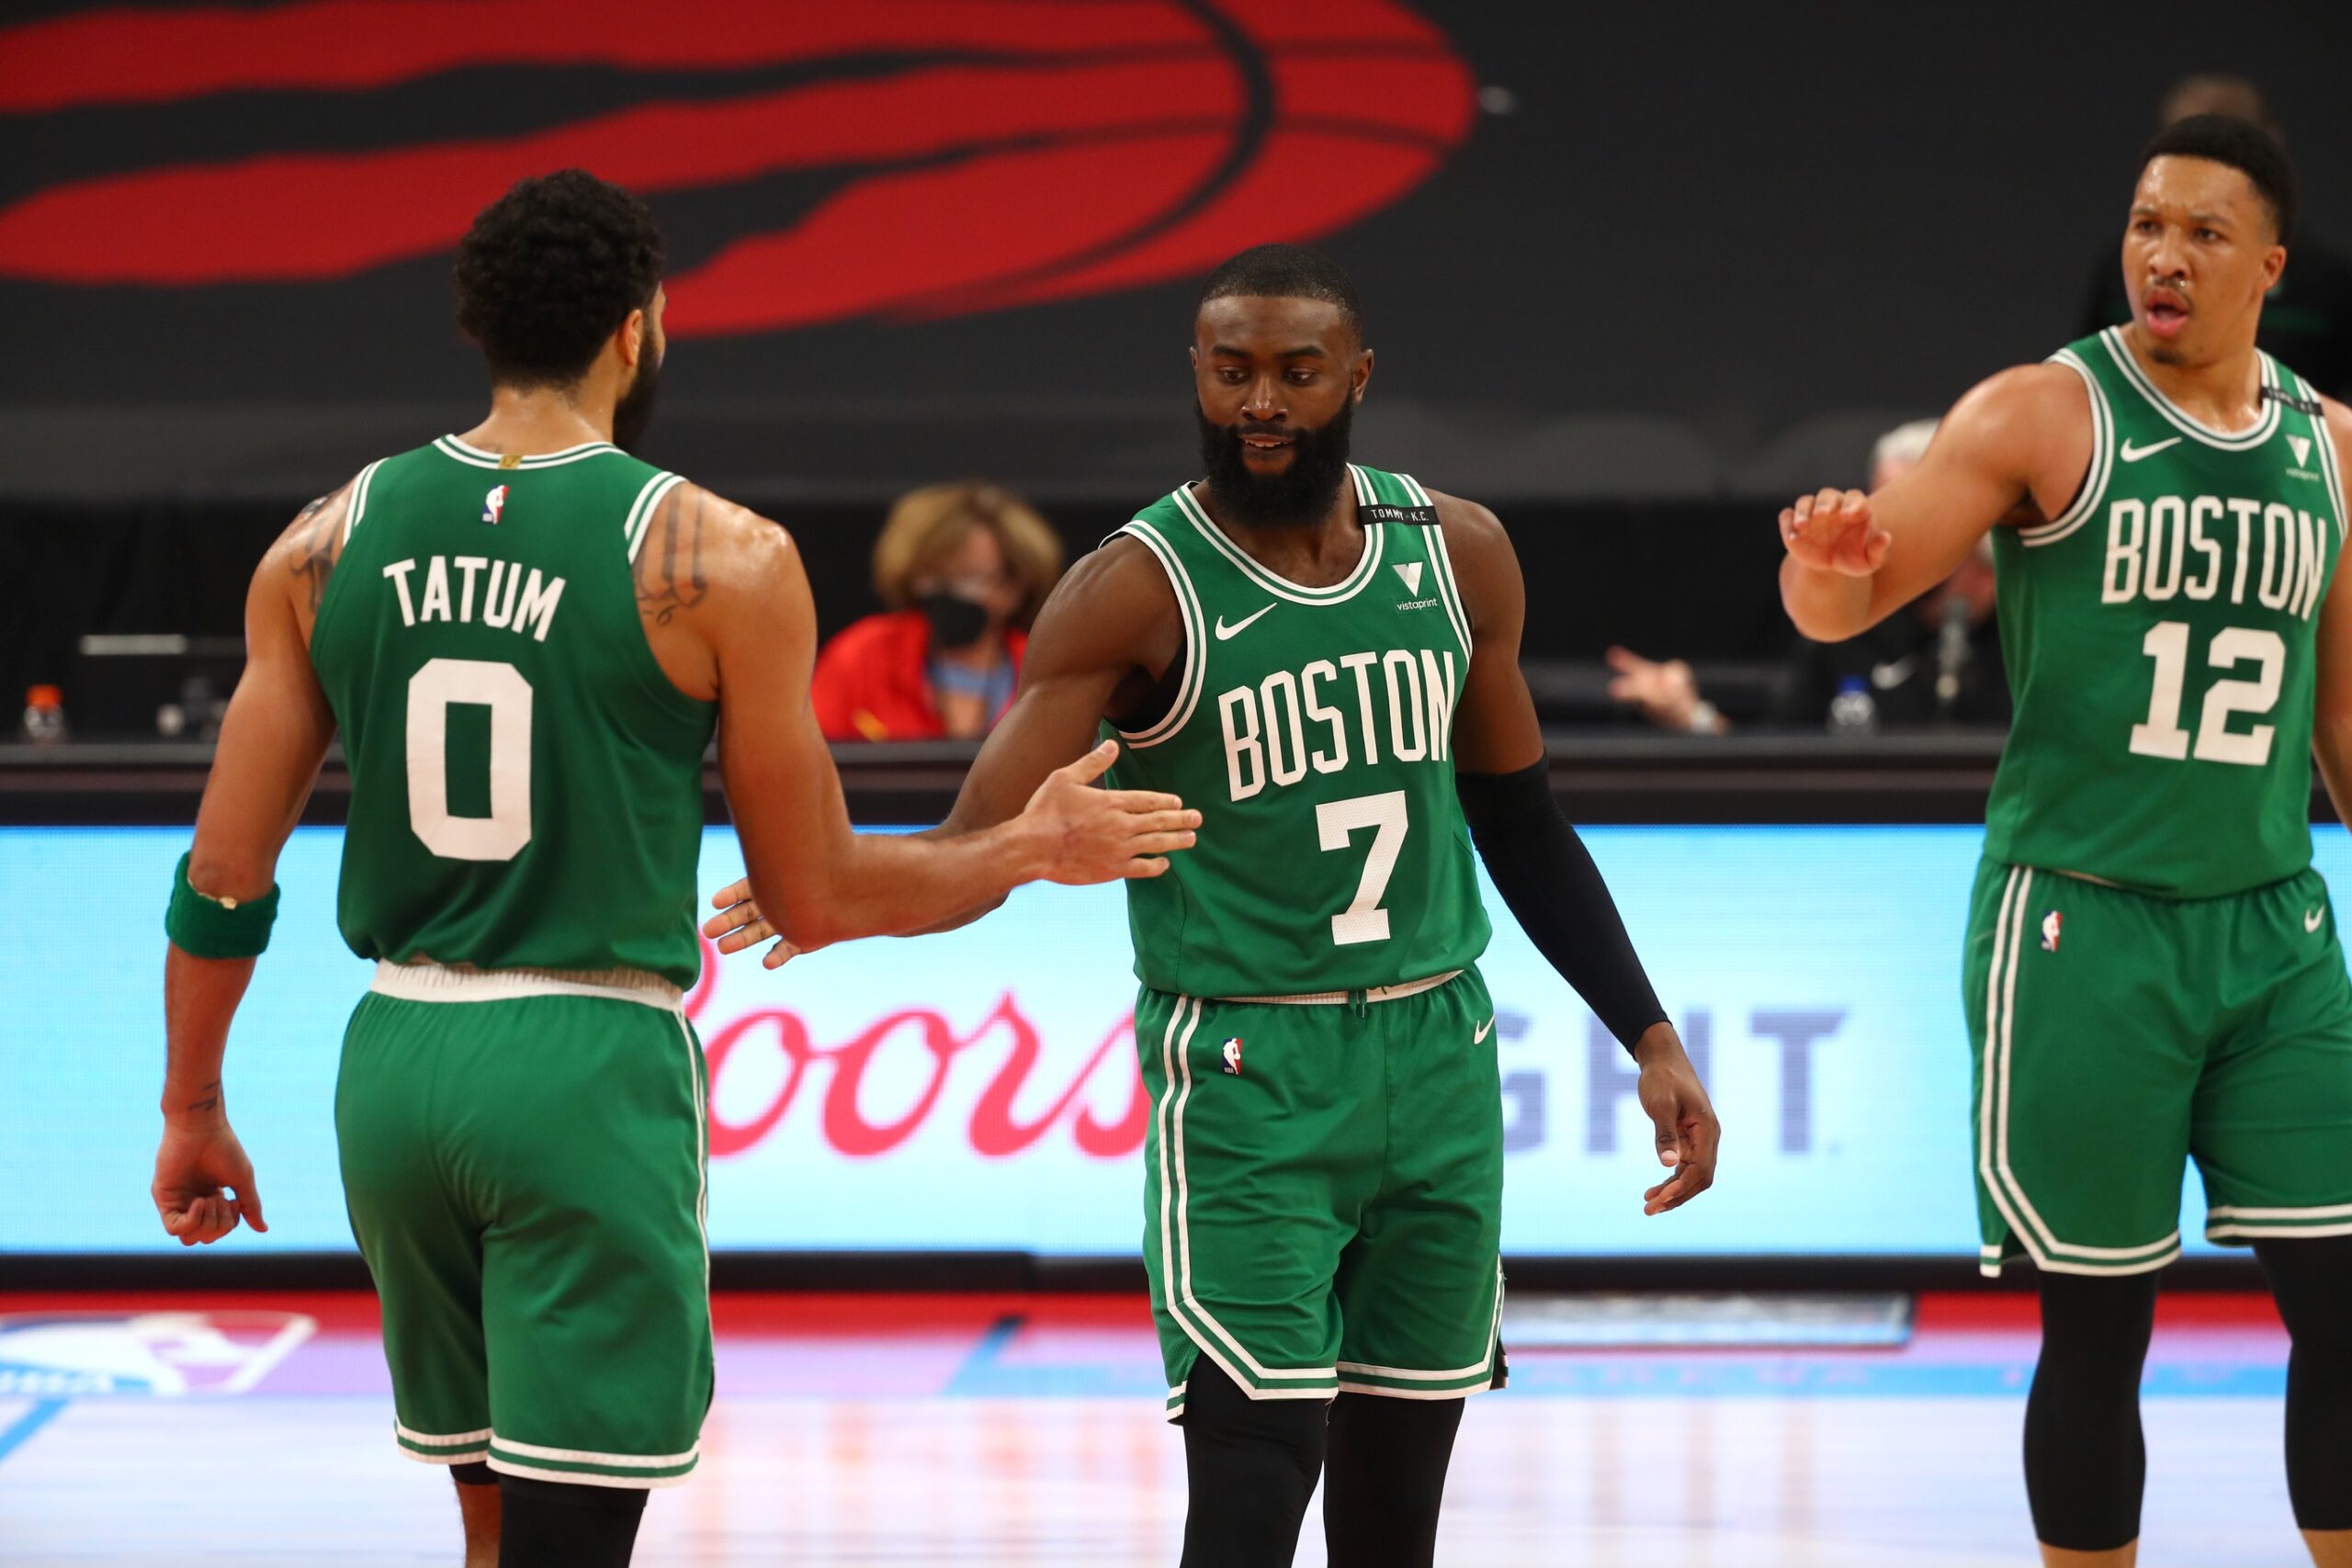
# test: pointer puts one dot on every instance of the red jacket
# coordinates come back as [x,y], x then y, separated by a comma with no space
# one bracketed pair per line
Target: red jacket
[870,683]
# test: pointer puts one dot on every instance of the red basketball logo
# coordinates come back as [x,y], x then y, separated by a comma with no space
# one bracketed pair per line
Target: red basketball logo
[982,155]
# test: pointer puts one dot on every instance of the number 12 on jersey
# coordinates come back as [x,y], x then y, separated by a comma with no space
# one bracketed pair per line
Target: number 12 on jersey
[2162,736]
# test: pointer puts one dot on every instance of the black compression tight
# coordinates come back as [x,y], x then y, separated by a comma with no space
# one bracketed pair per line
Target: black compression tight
[1252,1464]
[2085,1461]
[545,1524]
[1384,1478]
[2313,1283]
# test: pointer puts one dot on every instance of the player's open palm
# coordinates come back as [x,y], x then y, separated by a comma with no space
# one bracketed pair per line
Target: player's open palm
[1836,531]
[204,1183]
[1105,835]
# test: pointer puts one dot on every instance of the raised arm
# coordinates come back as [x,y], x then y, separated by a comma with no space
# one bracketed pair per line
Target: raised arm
[1103,635]
[1542,870]
[2332,723]
[272,740]
[2024,436]
[820,881]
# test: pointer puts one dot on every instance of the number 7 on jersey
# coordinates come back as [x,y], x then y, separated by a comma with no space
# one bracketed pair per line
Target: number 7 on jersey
[1335,822]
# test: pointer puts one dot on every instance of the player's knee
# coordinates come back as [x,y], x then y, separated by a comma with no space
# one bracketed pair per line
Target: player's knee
[1250,1466]
[473,1472]
[2312,1280]
[548,1524]
[1284,1438]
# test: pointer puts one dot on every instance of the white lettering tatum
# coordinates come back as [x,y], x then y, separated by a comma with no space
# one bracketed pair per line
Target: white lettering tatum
[510,599]
[1281,730]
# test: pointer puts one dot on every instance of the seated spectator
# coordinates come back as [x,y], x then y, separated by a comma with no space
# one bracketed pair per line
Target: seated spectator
[1937,661]
[964,568]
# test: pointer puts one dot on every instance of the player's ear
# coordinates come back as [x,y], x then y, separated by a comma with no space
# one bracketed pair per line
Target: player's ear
[2272,265]
[1362,373]
[633,338]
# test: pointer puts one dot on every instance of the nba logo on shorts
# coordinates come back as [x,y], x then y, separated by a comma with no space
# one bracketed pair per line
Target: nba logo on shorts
[2049,924]
[1232,1053]
[494,504]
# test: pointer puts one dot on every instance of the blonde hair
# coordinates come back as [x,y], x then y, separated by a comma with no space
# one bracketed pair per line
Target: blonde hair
[929,524]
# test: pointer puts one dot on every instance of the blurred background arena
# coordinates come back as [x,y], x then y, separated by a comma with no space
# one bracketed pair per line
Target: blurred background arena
[1633,275]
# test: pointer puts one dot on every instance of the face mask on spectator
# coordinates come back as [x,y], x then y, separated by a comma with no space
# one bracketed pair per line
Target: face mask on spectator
[956,622]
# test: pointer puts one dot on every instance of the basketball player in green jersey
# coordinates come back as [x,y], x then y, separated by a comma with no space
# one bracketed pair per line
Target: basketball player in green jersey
[2152,971]
[1323,659]
[524,638]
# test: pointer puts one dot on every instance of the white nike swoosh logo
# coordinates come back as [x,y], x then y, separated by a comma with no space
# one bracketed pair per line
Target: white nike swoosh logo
[1483,1030]
[1238,627]
[2312,918]
[2134,454]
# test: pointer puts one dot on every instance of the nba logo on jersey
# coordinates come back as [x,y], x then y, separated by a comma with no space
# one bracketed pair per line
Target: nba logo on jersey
[1232,1053]
[494,504]
[2049,924]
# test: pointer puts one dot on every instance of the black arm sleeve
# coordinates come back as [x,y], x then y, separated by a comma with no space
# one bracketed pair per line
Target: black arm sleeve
[1546,876]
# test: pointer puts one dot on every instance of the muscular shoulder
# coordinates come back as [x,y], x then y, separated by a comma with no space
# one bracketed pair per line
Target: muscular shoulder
[2020,410]
[1484,562]
[1114,609]
[2339,429]
[299,563]
[701,548]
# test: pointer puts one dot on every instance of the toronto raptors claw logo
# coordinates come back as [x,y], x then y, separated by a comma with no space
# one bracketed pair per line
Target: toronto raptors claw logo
[976,156]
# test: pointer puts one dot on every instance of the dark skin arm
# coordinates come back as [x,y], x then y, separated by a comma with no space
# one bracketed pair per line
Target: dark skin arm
[1110,631]
[272,740]
[1496,731]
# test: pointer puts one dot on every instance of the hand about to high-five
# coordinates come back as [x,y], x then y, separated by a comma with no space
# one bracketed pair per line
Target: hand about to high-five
[1085,834]
[1091,835]
[1835,531]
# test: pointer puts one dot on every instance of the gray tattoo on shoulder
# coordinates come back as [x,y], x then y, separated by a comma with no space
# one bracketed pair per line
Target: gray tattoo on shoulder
[670,576]
[314,538]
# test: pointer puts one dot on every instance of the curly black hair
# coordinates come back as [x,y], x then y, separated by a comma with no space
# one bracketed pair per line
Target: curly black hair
[1287,272]
[550,270]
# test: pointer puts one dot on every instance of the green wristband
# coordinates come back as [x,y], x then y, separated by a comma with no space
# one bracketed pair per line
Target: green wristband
[213,928]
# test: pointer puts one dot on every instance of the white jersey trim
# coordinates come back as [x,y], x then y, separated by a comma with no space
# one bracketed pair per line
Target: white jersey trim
[1367,562]
[2245,440]
[2102,464]
[450,446]
[442,983]
[639,521]
[351,514]
[1196,644]
[1340,999]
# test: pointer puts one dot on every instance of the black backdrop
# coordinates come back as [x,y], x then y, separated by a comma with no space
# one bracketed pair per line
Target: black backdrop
[1675,256]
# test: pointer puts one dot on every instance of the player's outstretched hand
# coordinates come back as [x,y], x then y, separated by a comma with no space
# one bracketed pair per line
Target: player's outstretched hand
[204,1183]
[739,924]
[1105,835]
[1835,531]
[1678,1107]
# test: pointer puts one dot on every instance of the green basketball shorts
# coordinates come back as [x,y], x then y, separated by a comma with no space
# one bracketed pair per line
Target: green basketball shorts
[523,1158]
[2117,1036]
[1323,1192]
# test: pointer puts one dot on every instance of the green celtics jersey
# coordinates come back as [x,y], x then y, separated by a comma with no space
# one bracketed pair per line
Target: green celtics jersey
[1313,730]
[526,781]
[2160,636]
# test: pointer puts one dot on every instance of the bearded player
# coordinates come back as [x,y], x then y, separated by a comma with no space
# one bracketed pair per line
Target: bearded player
[1324,659]
[525,636]
[2153,972]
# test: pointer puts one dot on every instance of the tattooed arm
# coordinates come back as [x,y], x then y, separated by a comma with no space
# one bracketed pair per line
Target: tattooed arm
[271,743]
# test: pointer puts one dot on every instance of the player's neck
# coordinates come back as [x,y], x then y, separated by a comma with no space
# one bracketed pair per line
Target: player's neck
[1314,552]
[2225,391]
[527,420]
